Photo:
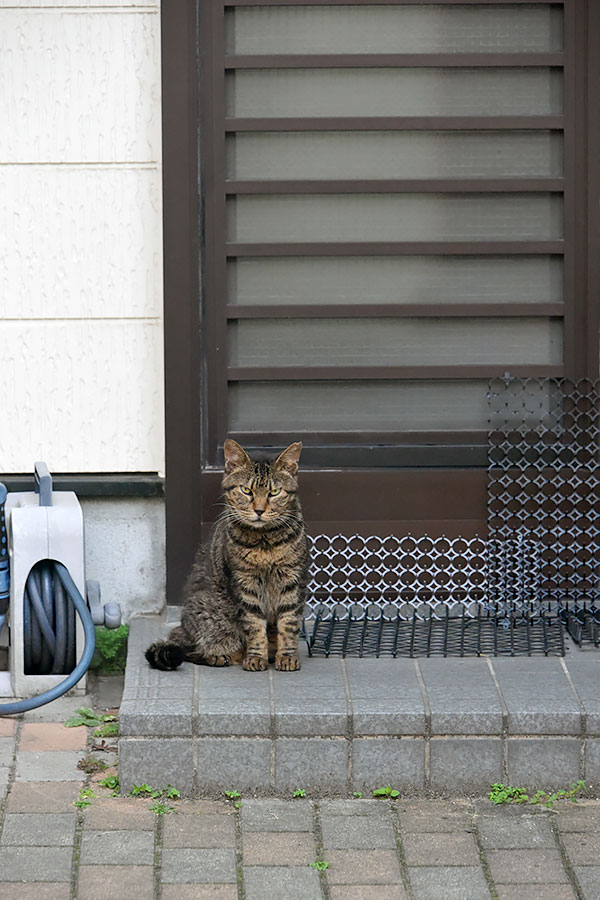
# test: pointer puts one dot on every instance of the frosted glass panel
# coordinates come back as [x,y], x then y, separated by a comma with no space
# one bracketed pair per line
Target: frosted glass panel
[358,406]
[394,217]
[408,342]
[393,29]
[405,279]
[389,154]
[394,92]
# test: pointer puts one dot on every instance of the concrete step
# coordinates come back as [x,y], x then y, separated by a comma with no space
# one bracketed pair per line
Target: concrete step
[427,727]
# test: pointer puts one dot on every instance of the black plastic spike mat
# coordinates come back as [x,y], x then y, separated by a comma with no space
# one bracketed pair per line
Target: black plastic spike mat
[498,632]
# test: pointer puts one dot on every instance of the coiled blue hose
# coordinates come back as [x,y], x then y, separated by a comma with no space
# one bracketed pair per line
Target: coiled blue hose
[49,632]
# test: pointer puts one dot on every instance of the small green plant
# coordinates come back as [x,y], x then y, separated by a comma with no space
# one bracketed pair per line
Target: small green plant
[86,795]
[110,655]
[386,792]
[108,729]
[357,795]
[111,782]
[172,793]
[319,864]
[141,790]
[233,795]
[501,793]
[161,809]
[91,765]
[299,792]
[86,716]
[238,804]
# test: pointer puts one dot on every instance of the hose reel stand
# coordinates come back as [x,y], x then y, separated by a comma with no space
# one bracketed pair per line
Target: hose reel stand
[42,585]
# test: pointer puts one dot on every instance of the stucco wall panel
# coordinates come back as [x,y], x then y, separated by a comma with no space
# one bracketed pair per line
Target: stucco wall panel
[83,396]
[79,86]
[84,242]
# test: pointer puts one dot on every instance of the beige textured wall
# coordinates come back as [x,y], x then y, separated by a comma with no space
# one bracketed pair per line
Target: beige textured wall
[81,366]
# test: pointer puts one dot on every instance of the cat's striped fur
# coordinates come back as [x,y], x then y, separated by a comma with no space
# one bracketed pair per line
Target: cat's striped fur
[244,601]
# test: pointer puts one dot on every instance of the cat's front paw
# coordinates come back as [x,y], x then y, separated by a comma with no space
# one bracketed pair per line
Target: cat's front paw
[219,660]
[287,663]
[255,663]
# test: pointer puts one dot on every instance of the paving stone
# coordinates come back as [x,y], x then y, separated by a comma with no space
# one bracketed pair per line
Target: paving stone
[533,892]
[281,848]
[538,696]
[386,696]
[60,709]
[583,849]
[119,814]
[585,675]
[527,832]
[112,882]
[368,892]
[36,864]
[43,796]
[39,829]
[526,866]
[39,736]
[547,763]
[232,702]
[589,880]
[357,832]
[8,727]
[7,751]
[462,696]
[355,807]
[199,892]
[280,883]
[156,762]
[313,701]
[321,763]
[434,816]
[592,761]
[363,867]
[185,865]
[465,764]
[581,816]
[455,883]
[233,764]
[277,815]
[199,831]
[154,703]
[117,848]
[205,807]
[51,765]
[38,891]
[458,849]
[388,760]
[4,776]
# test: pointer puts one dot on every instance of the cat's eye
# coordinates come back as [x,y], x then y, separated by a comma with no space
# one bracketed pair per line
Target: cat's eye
[246,491]
[274,493]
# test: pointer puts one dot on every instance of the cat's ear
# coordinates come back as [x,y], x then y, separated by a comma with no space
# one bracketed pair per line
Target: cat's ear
[289,459]
[235,456]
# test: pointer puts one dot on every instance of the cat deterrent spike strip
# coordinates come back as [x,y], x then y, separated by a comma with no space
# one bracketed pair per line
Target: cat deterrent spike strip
[45,590]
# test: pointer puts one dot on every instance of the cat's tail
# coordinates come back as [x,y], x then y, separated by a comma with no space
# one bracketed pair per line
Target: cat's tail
[169,653]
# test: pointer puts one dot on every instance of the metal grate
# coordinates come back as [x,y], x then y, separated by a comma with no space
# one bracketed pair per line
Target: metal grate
[537,572]
[544,444]
[498,632]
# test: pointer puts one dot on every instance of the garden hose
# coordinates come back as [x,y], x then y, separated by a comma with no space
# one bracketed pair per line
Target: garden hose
[49,631]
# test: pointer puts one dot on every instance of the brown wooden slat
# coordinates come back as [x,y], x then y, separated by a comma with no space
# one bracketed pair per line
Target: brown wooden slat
[391,60]
[233,3]
[387,373]
[396,186]
[394,123]
[391,310]
[399,248]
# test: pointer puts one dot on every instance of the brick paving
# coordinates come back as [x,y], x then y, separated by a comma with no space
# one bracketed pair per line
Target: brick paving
[407,849]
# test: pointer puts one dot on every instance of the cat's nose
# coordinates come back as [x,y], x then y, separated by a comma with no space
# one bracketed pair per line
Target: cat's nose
[258,512]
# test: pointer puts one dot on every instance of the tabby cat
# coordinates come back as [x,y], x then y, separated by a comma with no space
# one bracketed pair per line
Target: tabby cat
[244,602]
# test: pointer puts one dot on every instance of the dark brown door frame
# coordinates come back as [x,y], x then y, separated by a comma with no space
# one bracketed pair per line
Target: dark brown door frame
[190,494]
